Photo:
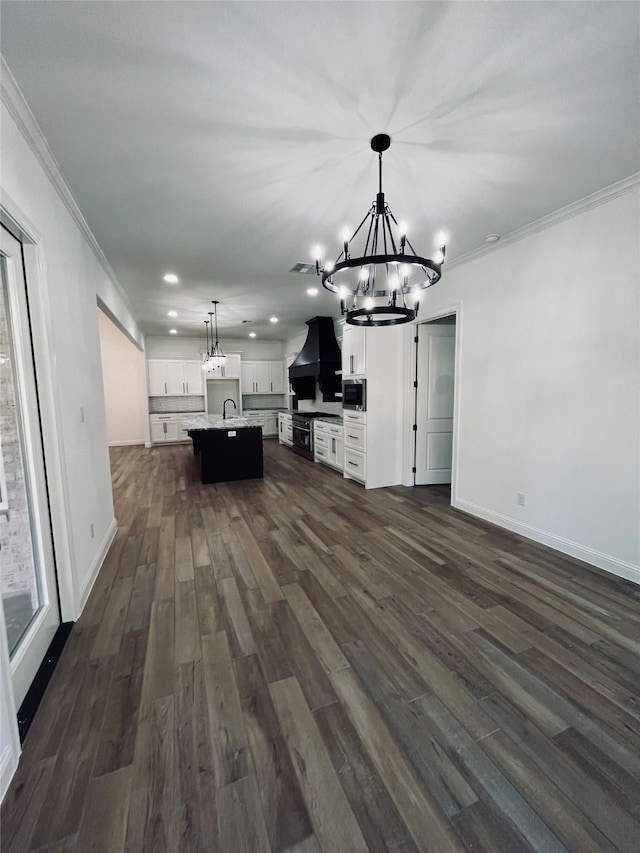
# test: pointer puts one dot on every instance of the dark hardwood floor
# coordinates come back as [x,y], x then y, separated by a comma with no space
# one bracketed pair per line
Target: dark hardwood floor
[297,664]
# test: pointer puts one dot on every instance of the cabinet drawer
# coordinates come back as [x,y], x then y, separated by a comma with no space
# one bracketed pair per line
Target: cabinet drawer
[320,440]
[354,417]
[335,430]
[355,436]
[355,464]
[320,454]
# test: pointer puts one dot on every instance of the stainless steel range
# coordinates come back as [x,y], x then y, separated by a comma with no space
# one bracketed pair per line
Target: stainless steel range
[302,423]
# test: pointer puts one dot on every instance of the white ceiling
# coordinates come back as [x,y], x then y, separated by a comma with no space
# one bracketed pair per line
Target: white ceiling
[221,140]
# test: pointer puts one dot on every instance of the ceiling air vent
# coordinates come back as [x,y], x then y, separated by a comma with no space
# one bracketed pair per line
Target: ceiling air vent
[305,269]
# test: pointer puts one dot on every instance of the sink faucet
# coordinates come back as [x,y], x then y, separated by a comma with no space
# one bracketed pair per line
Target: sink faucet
[224,407]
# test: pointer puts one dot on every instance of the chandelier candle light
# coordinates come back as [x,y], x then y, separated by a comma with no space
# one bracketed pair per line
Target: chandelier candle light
[381,292]
[214,357]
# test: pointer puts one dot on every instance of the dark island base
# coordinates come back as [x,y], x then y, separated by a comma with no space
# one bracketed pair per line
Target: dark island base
[228,454]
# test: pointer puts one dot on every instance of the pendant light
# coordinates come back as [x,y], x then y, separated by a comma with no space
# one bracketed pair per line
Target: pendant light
[205,360]
[214,357]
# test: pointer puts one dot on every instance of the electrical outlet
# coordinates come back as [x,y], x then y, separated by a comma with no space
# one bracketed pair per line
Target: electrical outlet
[91,528]
[521,499]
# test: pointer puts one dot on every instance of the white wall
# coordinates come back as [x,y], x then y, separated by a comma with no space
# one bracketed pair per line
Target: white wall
[124,381]
[549,383]
[66,275]
[179,346]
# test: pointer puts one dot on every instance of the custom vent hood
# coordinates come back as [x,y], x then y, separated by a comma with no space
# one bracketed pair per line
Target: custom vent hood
[317,363]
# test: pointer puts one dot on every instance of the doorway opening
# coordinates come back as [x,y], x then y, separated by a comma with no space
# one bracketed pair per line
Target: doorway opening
[435,405]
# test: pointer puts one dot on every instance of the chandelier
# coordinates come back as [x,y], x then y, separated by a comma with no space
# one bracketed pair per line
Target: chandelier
[379,286]
[214,356]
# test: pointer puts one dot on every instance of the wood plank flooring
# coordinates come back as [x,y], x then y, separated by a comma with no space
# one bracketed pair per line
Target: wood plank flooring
[298,665]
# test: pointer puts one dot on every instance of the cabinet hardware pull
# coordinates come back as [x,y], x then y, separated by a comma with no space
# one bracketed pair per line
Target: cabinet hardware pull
[165,387]
[353,464]
[351,436]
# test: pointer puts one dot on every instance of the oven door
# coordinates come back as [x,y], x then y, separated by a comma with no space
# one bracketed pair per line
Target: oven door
[302,441]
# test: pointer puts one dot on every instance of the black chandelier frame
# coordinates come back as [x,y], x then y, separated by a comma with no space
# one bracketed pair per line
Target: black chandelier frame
[393,253]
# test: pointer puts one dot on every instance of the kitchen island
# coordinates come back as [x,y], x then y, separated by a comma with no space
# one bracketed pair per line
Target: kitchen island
[229,448]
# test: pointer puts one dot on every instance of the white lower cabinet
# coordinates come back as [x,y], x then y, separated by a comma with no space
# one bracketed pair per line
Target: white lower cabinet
[328,445]
[355,445]
[355,464]
[164,428]
[285,429]
[169,427]
[268,420]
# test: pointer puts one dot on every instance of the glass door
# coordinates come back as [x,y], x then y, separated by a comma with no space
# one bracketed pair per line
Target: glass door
[27,566]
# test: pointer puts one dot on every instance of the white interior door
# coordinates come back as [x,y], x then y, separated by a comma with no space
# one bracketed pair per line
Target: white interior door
[434,403]
[27,568]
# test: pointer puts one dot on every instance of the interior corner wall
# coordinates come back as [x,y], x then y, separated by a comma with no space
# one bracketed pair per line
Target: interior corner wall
[68,277]
[549,384]
[123,376]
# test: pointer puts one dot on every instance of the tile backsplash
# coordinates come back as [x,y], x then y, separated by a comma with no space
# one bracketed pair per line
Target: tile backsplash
[318,406]
[264,401]
[157,405]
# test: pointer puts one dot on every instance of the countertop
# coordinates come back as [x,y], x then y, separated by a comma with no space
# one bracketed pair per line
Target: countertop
[217,422]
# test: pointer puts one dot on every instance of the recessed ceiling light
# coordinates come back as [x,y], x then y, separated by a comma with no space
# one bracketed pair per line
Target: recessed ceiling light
[312,291]
[171,278]
[173,331]
[252,334]
[273,319]
[172,313]
[492,238]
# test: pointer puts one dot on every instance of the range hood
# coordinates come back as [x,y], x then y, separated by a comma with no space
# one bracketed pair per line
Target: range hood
[317,363]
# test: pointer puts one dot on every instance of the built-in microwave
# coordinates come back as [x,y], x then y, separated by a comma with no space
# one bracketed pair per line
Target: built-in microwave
[354,394]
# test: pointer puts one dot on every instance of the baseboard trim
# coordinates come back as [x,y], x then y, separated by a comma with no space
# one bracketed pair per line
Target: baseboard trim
[128,443]
[620,568]
[31,703]
[96,565]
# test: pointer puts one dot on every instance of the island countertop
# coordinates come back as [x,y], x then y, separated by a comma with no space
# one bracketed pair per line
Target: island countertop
[197,422]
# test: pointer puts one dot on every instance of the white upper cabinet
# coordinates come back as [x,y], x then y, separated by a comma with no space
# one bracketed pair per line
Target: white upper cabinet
[229,370]
[262,377]
[157,378]
[353,351]
[175,378]
[193,377]
[276,377]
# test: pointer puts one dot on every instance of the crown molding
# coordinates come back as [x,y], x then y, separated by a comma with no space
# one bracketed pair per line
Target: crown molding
[19,109]
[595,199]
